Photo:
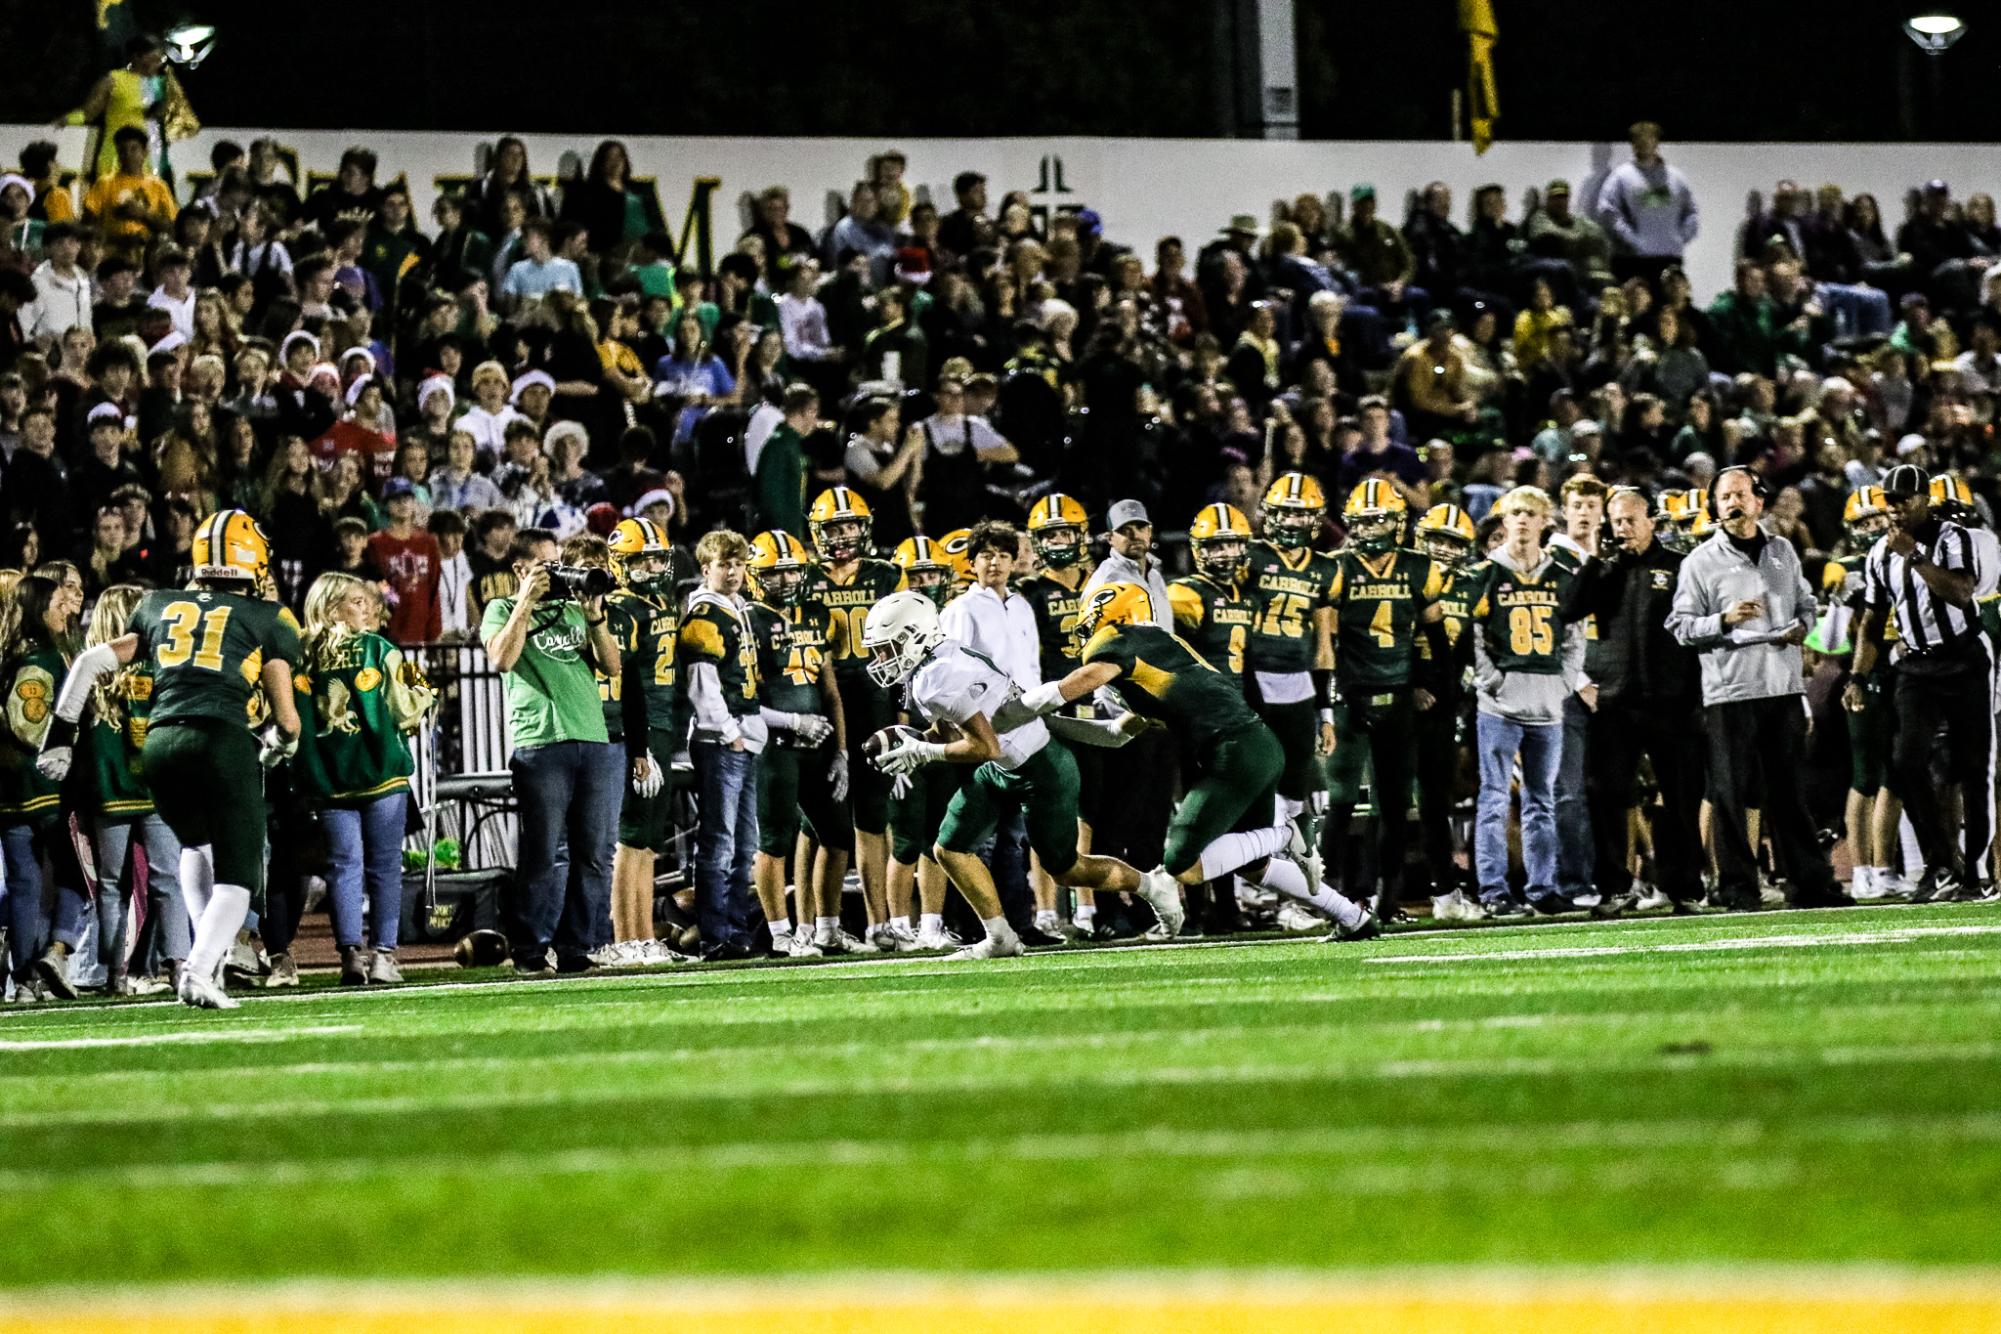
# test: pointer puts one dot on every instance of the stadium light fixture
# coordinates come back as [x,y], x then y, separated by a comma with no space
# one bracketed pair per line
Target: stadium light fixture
[1935,33]
[188,44]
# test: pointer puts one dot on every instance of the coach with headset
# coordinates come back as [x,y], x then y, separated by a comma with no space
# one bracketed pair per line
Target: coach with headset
[1921,576]
[1742,602]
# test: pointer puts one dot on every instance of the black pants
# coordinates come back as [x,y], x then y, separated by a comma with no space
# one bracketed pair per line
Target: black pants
[1438,792]
[1957,704]
[1378,728]
[1747,736]
[1669,736]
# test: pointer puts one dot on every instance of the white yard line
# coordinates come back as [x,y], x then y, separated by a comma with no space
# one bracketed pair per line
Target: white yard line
[185,1037]
[1893,936]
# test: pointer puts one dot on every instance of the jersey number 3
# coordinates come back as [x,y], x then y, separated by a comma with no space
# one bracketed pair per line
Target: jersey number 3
[181,619]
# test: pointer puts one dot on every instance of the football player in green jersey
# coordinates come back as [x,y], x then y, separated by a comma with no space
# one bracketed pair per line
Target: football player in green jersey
[359,698]
[1291,656]
[1057,534]
[211,645]
[802,776]
[847,580]
[917,801]
[34,823]
[1211,609]
[1227,821]
[1383,595]
[642,708]
[1873,811]
[1446,533]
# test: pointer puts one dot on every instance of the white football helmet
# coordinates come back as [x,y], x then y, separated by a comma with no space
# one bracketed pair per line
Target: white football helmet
[899,634]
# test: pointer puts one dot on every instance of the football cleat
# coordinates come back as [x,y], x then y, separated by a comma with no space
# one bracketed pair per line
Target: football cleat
[803,946]
[203,994]
[1368,928]
[993,947]
[1298,917]
[939,937]
[838,941]
[1162,893]
[1653,899]
[889,938]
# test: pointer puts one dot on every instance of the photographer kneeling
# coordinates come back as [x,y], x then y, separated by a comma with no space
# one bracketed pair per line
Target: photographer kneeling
[568,778]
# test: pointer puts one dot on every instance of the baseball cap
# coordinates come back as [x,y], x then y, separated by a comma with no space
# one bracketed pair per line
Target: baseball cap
[1904,481]
[1244,223]
[106,412]
[1089,223]
[1125,512]
[1908,445]
[398,486]
[1360,192]
[1559,186]
[1937,187]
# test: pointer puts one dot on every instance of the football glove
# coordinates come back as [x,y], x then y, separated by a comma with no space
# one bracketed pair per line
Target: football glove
[647,779]
[901,787]
[811,728]
[907,755]
[837,775]
[276,746]
[53,763]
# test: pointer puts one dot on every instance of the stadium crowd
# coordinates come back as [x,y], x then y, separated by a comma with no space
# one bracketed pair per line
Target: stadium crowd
[1476,506]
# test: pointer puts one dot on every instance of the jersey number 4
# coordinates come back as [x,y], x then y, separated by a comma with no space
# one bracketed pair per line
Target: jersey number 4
[1529,632]
[181,619]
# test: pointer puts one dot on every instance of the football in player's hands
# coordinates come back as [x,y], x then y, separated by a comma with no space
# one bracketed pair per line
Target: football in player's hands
[881,743]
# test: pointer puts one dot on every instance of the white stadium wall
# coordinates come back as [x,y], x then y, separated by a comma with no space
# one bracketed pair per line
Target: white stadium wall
[1143,188]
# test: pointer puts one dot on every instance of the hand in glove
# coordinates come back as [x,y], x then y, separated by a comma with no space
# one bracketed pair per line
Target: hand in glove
[811,728]
[901,787]
[907,755]
[276,746]
[53,763]
[647,777]
[837,775]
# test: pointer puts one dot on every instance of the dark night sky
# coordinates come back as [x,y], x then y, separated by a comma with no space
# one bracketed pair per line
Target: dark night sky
[1708,69]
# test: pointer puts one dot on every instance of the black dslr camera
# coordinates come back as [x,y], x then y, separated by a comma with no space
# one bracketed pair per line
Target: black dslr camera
[577,583]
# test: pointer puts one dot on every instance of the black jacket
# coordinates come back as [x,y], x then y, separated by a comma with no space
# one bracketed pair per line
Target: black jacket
[1638,661]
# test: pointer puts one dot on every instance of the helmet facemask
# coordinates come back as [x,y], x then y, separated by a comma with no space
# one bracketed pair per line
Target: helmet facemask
[1291,528]
[645,572]
[1220,557]
[1448,549]
[1374,530]
[841,540]
[933,581]
[1058,546]
[782,584]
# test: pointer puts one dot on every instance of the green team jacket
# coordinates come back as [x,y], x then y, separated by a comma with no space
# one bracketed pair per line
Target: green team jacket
[32,680]
[358,701]
[116,786]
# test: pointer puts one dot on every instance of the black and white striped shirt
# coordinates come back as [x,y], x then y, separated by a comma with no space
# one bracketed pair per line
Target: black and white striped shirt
[1926,623]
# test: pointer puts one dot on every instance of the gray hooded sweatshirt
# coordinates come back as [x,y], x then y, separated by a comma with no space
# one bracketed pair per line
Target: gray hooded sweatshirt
[1532,698]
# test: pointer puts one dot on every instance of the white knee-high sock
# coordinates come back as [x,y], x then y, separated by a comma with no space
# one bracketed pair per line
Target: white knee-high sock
[1231,851]
[228,905]
[1283,876]
[1914,856]
[1288,809]
[197,880]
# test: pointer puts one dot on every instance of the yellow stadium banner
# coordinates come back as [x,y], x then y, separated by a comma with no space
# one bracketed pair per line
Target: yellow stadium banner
[1476,20]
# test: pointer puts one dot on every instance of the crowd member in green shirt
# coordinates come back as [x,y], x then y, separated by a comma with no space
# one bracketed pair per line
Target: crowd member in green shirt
[567,774]
[33,661]
[119,811]
[360,698]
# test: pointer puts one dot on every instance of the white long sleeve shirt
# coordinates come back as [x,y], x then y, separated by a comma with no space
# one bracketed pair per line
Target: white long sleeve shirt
[1001,628]
[802,322]
[60,303]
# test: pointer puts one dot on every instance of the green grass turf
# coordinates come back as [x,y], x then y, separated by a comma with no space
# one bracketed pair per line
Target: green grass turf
[1292,1104]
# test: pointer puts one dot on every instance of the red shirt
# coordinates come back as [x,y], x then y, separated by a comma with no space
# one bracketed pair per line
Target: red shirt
[378,452]
[411,566]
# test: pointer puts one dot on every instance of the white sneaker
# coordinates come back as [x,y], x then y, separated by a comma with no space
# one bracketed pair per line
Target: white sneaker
[1770,894]
[784,944]
[803,946]
[142,985]
[203,994]
[1456,908]
[1871,885]
[608,956]
[1655,899]
[990,948]
[891,938]
[1293,916]
[1890,885]
[838,941]
[382,968]
[940,937]
[1162,893]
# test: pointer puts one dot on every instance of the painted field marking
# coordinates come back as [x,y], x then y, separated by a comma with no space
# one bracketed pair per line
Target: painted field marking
[1893,936]
[184,1037]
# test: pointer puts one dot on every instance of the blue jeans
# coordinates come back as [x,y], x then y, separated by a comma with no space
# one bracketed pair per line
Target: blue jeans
[1856,309]
[1576,863]
[23,847]
[725,842]
[1540,747]
[569,793]
[166,909]
[365,844]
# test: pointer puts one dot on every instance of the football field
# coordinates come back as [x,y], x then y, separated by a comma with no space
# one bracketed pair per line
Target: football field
[1649,1124]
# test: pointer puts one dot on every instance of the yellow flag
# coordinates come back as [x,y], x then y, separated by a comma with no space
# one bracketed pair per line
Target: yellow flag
[1476,20]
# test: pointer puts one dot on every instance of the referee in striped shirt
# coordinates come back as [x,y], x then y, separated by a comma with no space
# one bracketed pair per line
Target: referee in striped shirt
[1920,576]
